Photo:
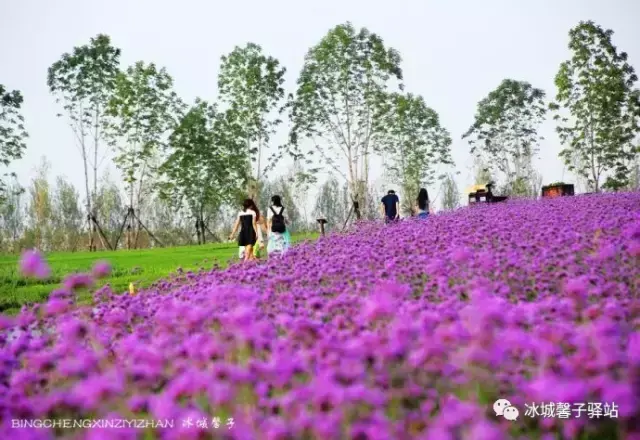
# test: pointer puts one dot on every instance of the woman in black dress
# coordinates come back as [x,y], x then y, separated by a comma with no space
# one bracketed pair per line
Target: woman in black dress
[247,222]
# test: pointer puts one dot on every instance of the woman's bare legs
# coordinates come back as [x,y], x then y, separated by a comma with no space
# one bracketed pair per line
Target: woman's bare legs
[248,253]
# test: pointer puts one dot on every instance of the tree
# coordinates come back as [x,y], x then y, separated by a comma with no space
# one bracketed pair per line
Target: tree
[110,207]
[414,142]
[173,227]
[596,88]
[40,208]
[300,182]
[83,81]
[145,109]
[12,133]
[283,186]
[66,216]
[12,217]
[329,204]
[634,178]
[505,131]
[451,193]
[206,162]
[340,88]
[251,83]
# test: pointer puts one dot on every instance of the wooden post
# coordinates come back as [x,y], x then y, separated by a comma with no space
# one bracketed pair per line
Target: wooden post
[322,222]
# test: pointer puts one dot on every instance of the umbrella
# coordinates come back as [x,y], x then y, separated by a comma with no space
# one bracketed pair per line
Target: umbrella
[474,188]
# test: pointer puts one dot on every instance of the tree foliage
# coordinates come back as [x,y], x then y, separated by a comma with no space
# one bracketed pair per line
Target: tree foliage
[450,193]
[145,109]
[596,88]
[283,187]
[40,207]
[251,83]
[12,217]
[414,142]
[505,131]
[110,206]
[332,203]
[83,82]
[341,86]
[66,216]
[12,133]
[206,163]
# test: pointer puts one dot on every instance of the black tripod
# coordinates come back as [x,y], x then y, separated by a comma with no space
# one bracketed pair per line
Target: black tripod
[93,221]
[202,229]
[355,209]
[130,217]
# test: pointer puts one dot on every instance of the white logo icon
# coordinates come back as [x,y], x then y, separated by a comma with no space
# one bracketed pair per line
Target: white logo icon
[503,407]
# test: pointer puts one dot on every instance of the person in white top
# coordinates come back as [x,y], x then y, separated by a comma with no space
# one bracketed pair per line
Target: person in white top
[247,222]
[277,227]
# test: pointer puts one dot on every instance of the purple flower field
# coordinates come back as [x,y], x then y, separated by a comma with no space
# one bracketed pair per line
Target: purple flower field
[408,331]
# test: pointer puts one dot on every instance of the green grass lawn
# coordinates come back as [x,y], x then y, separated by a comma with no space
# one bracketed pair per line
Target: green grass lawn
[141,267]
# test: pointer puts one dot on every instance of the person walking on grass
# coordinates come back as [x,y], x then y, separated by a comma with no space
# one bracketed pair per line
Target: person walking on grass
[247,223]
[390,207]
[261,226]
[277,227]
[424,207]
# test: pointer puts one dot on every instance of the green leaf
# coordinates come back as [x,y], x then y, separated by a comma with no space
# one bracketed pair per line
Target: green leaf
[504,136]
[340,92]
[596,87]
[251,84]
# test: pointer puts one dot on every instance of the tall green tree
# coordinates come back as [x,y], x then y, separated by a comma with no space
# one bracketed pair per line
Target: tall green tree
[414,142]
[329,204]
[251,83]
[450,193]
[145,110]
[206,162]
[66,216]
[505,132]
[110,206]
[283,186]
[173,227]
[83,81]
[339,90]
[634,179]
[40,208]
[597,108]
[12,217]
[12,133]
[481,172]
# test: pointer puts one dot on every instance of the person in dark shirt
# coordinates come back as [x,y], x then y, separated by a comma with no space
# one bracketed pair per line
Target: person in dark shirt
[390,207]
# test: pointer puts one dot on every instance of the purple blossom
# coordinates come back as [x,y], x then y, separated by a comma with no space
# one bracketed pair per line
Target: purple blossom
[32,264]
[365,334]
[78,281]
[101,269]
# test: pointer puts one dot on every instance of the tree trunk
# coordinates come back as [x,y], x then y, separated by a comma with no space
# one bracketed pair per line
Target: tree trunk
[132,225]
[95,170]
[353,185]
[204,230]
[198,230]
[89,210]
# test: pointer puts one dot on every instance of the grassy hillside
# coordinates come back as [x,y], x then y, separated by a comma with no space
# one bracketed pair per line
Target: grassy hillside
[141,267]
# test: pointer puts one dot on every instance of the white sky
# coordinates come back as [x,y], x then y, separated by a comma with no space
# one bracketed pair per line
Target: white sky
[454,52]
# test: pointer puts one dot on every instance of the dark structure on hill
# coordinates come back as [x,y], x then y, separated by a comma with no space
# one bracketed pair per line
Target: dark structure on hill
[557,190]
[485,195]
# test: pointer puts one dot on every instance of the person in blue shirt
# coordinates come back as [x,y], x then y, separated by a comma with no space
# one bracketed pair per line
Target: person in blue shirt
[390,207]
